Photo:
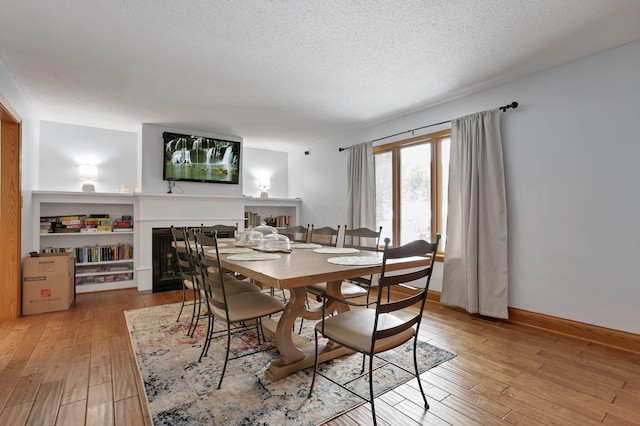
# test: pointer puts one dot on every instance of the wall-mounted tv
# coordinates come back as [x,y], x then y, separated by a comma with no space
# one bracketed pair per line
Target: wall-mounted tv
[200,159]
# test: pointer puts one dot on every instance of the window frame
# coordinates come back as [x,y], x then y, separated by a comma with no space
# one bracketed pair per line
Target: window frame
[437,197]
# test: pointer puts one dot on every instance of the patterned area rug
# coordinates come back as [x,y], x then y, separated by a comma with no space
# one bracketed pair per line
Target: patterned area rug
[182,391]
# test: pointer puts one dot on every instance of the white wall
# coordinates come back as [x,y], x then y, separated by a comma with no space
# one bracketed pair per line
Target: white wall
[153,160]
[252,163]
[262,162]
[571,151]
[63,147]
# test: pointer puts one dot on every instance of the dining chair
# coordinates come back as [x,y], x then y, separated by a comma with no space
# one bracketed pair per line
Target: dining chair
[236,310]
[183,252]
[298,234]
[204,245]
[380,328]
[357,287]
[326,236]
[224,231]
[364,239]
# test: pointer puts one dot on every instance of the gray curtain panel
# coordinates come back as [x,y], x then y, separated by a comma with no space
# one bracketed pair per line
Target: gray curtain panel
[475,268]
[361,192]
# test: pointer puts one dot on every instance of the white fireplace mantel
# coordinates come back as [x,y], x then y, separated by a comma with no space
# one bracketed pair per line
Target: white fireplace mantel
[164,210]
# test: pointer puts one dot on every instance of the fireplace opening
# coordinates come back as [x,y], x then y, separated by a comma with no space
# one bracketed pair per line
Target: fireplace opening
[166,274]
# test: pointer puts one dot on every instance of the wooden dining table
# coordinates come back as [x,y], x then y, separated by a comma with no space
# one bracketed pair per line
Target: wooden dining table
[294,271]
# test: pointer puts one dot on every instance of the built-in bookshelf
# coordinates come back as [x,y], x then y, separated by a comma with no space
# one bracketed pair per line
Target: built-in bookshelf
[277,212]
[97,228]
[253,219]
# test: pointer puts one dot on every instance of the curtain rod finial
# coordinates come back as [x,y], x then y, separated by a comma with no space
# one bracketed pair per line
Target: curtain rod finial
[513,104]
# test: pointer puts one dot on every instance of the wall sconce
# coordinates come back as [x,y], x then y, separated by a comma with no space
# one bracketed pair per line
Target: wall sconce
[264,184]
[88,172]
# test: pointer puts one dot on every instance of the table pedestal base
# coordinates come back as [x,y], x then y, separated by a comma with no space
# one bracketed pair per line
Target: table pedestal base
[279,369]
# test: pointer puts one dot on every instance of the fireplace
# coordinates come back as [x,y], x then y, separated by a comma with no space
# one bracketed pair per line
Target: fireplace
[166,274]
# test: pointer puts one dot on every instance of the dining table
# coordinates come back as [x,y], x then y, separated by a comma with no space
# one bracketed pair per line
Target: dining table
[295,270]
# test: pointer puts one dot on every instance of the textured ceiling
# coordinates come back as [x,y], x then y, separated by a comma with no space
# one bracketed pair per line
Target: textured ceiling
[280,73]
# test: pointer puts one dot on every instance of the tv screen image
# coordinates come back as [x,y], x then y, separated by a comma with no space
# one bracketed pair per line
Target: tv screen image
[200,159]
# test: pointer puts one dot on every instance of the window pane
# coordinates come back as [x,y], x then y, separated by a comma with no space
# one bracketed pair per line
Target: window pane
[415,193]
[444,150]
[384,194]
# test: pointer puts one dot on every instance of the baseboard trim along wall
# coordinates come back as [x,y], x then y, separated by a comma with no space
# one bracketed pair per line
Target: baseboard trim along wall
[592,333]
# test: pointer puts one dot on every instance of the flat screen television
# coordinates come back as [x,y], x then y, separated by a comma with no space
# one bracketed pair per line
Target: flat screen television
[200,159]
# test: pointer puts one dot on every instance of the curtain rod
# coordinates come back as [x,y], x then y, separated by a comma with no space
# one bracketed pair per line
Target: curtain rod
[503,108]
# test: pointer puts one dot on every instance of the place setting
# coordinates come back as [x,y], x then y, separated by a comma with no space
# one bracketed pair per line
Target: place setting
[355,260]
[223,249]
[254,255]
[335,250]
[305,245]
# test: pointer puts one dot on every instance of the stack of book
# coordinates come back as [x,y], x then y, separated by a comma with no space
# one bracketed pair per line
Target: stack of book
[68,224]
[47,224]
[123,224]
[97,223]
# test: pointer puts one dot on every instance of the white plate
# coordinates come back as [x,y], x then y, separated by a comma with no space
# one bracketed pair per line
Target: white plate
[194,245]
[305,245]
[229,250]
[336,250]
[355,260]
[254,256]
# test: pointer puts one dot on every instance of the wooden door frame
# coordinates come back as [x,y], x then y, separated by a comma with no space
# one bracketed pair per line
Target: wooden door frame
[10,215]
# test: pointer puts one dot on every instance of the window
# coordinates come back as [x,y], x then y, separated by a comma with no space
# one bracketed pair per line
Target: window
[411,187]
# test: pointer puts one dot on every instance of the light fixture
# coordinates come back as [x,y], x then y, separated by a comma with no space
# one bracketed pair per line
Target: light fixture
[88,172]
[264,185]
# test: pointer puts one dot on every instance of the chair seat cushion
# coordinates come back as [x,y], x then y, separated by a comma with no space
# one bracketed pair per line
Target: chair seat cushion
[188,284]
[233,286]
[355,329]
[346,288]
[246,306]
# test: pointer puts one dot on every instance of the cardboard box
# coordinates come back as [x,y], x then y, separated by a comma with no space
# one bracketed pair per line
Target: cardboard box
[48,283]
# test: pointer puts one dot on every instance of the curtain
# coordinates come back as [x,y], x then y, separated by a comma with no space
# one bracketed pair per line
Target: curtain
[361,191]
[475,266]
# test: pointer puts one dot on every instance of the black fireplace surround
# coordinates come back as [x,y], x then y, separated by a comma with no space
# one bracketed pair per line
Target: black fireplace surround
[166,274]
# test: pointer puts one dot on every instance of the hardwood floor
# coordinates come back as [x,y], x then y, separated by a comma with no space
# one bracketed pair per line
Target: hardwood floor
[77,367]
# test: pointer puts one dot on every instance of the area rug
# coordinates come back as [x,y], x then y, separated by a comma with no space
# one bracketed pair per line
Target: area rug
[182,391]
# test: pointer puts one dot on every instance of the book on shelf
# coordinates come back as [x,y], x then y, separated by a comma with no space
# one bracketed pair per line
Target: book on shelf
[72,217]
[103,253]
[90,254]
[282,221]
[94,221]
[123,224]
[57,249]
[251,220]
[66,230]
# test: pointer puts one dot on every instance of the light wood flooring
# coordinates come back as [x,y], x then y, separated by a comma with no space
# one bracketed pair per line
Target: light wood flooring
[76,367]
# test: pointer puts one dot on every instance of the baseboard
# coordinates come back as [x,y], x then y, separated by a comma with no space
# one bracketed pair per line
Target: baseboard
[592,333]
